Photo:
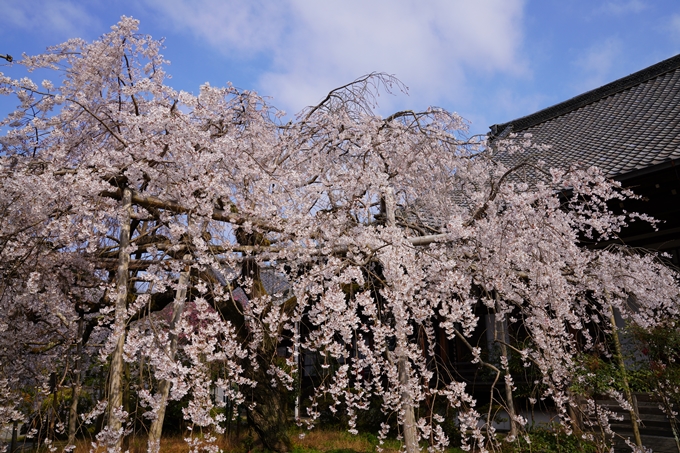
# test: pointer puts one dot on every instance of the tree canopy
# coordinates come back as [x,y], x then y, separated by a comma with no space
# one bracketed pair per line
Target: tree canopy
[132,213]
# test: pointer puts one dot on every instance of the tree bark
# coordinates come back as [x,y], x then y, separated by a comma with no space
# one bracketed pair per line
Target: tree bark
[266,408]
[115,393]
[269,415]
[164,386]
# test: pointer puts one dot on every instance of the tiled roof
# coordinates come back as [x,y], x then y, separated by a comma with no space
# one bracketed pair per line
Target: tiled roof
[623,127]
[275,283]
[418,220]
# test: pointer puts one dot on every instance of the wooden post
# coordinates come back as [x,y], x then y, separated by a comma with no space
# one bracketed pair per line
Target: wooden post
[500,334]
[76,385]
[115,392]
[410,431]
[668,410]
[13,443]
[624,378]
[54,387]
[296,358]
[409,418]
[178,304]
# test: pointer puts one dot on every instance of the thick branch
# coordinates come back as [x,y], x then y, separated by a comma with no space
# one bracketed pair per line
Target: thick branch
[174,206]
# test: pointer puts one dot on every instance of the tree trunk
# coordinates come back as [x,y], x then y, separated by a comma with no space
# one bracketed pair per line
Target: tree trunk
[164,386]
[115,393]
[269,415]
[267,412]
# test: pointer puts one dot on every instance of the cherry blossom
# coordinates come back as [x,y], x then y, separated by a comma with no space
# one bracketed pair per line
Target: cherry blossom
[137,223]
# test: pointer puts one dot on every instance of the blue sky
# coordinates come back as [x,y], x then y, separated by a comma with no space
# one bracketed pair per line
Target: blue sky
[489,60]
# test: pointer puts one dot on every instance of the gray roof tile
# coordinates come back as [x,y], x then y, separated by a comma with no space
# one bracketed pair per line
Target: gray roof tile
[627,125]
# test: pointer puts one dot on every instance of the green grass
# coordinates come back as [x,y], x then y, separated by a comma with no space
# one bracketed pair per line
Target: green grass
[314,441]
[337,441]
[546,441]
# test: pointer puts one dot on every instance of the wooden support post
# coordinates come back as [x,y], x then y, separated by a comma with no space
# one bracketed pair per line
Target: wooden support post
[409,419]
[501,334]
[115,393]
[156,428]
[624,379]
[76,385]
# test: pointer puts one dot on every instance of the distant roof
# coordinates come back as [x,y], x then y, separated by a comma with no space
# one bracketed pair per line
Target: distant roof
[623,127]
[275,285]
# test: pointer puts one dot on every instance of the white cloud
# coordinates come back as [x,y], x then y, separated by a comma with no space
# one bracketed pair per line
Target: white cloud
[623,7]
[597,63]
[314,46]
[57,18]
[229,26]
